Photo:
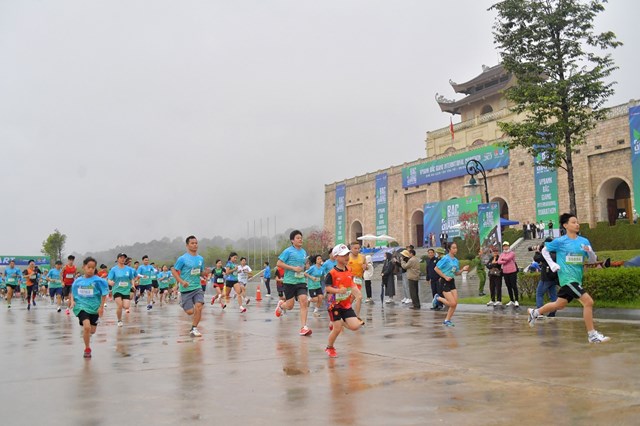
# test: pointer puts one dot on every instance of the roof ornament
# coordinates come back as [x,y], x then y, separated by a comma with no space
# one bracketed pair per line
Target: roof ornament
[442,100]
[485,68]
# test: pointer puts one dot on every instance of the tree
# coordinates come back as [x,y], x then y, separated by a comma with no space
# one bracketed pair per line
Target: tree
[551,49]
[53,246]
[318,242]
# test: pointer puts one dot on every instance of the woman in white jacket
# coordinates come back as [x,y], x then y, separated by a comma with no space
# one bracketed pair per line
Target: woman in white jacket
[368,274]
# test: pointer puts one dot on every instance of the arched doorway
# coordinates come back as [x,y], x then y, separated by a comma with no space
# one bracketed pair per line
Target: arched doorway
[417,229]
[504,207]
[356,231]
[615,200]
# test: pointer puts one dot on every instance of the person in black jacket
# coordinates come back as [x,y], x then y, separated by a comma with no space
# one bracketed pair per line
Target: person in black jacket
[495,278]
[432,275]
[388,270]
[548,278]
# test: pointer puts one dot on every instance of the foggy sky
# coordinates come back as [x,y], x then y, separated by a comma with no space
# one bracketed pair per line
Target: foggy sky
[125,121]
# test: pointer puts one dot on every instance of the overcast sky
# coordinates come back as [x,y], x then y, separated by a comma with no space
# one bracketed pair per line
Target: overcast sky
[125,121]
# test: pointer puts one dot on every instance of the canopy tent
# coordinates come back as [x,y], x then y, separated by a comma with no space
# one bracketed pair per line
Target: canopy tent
[385,237]
[633,262]
[367,237]
[507,222]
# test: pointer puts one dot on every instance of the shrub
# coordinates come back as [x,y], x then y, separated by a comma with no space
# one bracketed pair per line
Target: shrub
[613,284]
[528,283]
[622,236]
[511,235]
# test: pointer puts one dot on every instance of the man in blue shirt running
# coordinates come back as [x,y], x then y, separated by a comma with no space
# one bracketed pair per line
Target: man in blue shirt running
[186,271]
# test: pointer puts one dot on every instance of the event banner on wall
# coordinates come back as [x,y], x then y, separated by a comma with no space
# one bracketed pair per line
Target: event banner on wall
[381,207]
[444,216]
[40,260]
[491,157]
[634,126]
[341,191]
[546,185]
[489,224]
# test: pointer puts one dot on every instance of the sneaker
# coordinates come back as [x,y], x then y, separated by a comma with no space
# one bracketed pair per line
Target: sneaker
[316,310]
[120,324]
[9,306]
[34,302]
[448,323]
[224,305]
[194,332]
[331,352]
[268,295]
[213,299]
[305,331]
[369,300]
[246,302]
[597,337]
[105,305]
[59,309]
[87,353]
[510,303]
[490,303]
[388,300]
[498,303]
[243,309]
[434,302]
[516,304]
[279,309]
[532,317]
[149,307]
[29,307]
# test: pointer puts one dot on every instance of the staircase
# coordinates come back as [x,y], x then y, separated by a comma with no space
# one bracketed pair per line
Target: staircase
[524,257]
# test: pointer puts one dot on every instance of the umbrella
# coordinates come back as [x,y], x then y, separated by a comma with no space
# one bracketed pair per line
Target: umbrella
[385,237]
[367,237]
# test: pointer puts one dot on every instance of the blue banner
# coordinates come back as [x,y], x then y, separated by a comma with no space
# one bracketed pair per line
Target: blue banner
[489,225]
[341,191]
[381,207]
[40,260]
[634,128]
[491,157]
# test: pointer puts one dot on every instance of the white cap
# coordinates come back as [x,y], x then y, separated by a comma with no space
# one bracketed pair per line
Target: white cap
[340,250]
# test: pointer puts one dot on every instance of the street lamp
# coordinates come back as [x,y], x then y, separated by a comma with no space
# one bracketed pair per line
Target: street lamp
[473,168]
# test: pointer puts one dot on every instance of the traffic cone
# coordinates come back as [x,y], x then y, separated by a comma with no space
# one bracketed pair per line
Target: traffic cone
[258,293]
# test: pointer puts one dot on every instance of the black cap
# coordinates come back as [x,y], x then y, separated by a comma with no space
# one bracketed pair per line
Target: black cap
[121,255]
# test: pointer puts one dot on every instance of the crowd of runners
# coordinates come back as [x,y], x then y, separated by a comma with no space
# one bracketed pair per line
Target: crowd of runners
[333,284]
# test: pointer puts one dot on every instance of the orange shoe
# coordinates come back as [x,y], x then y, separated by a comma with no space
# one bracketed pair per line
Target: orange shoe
[331,351]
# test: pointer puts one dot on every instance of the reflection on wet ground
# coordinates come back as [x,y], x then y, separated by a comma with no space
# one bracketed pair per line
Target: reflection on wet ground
[402,368]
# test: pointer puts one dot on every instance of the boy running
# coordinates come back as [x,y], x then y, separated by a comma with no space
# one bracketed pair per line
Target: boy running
[55,284]
[68,275]
[13,278]
[314,278]
[121,278]
[187,272]
[571,252]
[88,294]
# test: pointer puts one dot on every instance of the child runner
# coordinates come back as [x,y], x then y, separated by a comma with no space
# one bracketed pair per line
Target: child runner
[163,283]
[279,274]
[121,278]
[244,273]
[187,272]
[68,275]
[448,267]
[217,277]
[340,288]
[145,275]
[55,284]
[571,252]
[231,272]
[314,278]
[292,260]
[88,295]
[13,278]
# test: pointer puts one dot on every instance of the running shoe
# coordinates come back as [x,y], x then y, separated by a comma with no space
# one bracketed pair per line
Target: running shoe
[120,324]
[213,299]
[434,302]
[194,332]
[279,309]
[34,302]
[149,307]
[498,303]
[9,306]
[597,337]
[510,303]
[331,352]
[243,309]
[59,309]
[29,307]
[105,305]
[268,295]
[516,304]
[532,317]
[448,323]
[305,331]
[87,353]
[490,303]
[316,310]
[224,305]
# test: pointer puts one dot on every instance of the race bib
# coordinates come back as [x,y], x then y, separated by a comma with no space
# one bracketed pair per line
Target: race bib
[153,277]
[85,292]
[357,280]
[195,271]
[123,284]
[574,259]
[299,274]
[11,280]
[33,277]
[341,297]
[220,281]
[69,276]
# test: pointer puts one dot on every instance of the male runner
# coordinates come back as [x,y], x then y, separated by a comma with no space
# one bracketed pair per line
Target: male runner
[13,277]
[187,272]
[68,275]
[121,279]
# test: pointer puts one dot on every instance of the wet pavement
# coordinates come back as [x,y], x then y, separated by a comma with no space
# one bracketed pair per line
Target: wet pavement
[402,368]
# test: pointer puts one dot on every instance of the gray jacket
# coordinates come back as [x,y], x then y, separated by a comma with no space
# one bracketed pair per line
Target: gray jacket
[413,268]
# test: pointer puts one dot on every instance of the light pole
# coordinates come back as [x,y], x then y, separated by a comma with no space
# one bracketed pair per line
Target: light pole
[473,168]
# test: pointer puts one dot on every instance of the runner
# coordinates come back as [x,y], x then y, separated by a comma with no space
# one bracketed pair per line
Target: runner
[32,284]
[279,274]
[231,272]
[217,278]
[43,284]
[121,278]
[145,273]
[314,278]
[88,295]
[104,273]
[13,278]
[244,273]
[68,275]
[295,287]
[55,284]
[357,265]
[266,275]
[154,283]
[163,284]
[571,252]
[340,286]
[187,272]
[448,267]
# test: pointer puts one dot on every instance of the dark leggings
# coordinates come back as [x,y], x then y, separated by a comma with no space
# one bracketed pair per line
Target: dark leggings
[32,290]
[267,284]
[495,288]
[367,287]
[511,280]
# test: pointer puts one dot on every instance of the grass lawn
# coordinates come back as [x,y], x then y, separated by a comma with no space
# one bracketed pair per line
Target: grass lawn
[617,254]
[528,302]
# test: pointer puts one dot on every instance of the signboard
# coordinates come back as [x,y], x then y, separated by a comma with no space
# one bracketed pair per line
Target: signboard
[546,186]
[489,225]
[40,260]
[381,207]
[634,128]
[341,191]
[491,157]
[444,216]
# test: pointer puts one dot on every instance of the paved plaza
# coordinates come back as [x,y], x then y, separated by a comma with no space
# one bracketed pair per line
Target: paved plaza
[402,368]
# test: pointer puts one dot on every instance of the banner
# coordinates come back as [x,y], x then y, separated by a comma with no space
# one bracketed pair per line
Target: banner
[444,216]
[40,260]
[489,225]
[491,157]
[381,207]
[634,127]
[546,185]
[341,191]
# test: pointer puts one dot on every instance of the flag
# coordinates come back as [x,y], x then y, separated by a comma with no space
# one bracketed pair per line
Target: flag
[451,127]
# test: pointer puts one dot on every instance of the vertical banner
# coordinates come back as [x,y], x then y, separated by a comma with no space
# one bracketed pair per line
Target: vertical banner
[341,191]
[634,127]
[489,225]
[546,185]
[381,207]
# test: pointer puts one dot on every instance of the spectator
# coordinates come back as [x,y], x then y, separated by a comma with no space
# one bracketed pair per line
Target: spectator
[368,274]
[388,272]
[411,264]
[507,260]
[432,275]
[495,278]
